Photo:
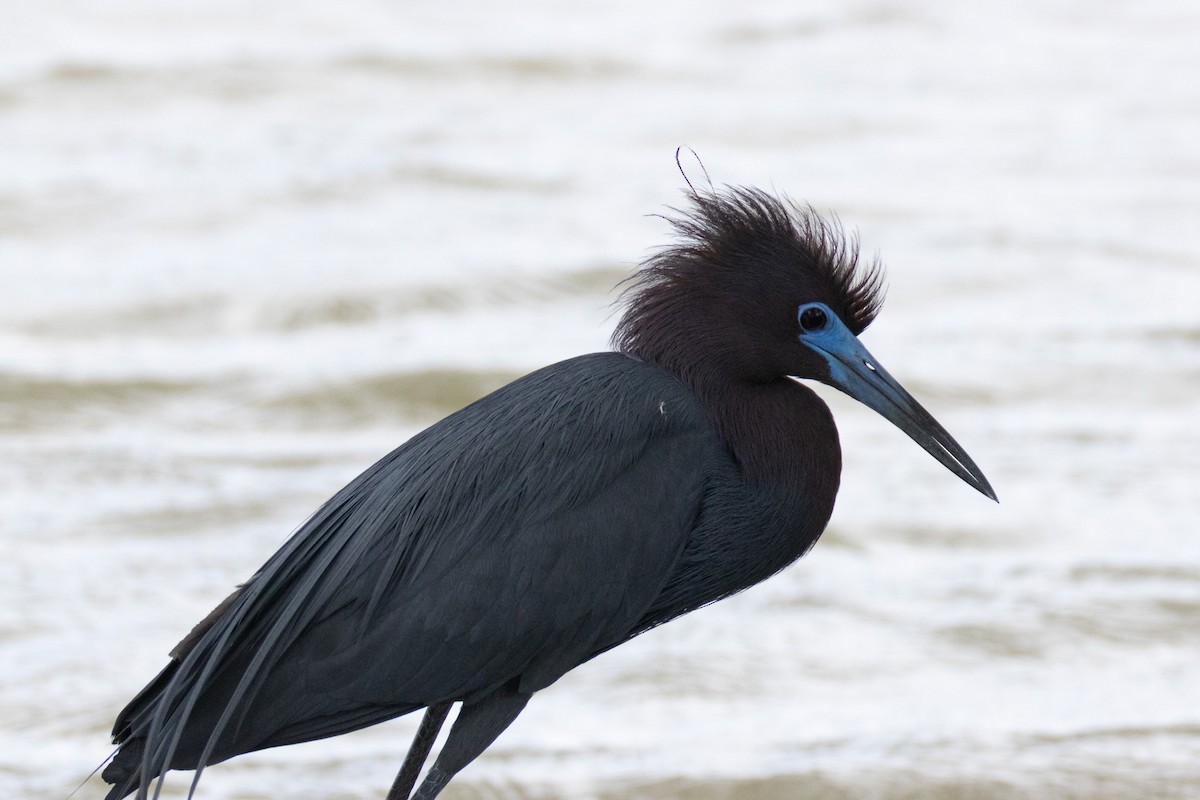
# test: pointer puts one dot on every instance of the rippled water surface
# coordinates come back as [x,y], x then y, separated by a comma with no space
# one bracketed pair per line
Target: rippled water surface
[246,249]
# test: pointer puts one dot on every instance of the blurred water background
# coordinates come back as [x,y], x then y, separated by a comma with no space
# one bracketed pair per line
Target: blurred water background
[247,248]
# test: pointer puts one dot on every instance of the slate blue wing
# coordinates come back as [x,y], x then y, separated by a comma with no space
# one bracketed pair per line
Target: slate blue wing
[510,541]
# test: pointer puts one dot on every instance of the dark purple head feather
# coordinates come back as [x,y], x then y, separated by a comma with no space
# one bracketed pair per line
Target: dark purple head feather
[724,296]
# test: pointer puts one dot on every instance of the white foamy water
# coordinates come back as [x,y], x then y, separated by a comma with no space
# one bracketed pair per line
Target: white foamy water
[246,249]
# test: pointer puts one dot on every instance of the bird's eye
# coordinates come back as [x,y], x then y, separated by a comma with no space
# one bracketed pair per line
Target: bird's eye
[813,319]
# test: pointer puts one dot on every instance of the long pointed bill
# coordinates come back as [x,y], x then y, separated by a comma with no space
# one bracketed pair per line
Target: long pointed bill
[856,372]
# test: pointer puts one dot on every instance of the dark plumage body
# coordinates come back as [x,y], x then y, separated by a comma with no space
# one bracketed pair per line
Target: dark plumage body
[555,518]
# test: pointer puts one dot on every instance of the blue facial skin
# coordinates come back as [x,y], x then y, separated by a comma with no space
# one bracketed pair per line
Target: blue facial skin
[855,371]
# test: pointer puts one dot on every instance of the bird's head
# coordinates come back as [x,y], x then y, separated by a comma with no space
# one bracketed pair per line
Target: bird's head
[757,290]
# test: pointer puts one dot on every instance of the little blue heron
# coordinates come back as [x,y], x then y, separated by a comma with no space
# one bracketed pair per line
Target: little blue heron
[563,514]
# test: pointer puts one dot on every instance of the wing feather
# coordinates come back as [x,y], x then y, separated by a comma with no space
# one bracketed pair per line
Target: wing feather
[513,539]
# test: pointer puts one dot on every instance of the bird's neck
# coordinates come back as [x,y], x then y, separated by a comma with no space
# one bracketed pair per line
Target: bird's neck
[783,438]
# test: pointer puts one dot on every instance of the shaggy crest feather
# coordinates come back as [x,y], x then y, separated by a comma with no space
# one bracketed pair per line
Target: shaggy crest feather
[738,235]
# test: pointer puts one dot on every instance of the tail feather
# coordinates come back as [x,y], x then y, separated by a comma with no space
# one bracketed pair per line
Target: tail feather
[124,771]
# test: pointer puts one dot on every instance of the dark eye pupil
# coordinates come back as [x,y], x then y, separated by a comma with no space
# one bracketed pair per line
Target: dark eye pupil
[812,319]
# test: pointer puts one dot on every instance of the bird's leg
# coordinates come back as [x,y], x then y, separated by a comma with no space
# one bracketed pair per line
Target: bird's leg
[418,751]
[477,726]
